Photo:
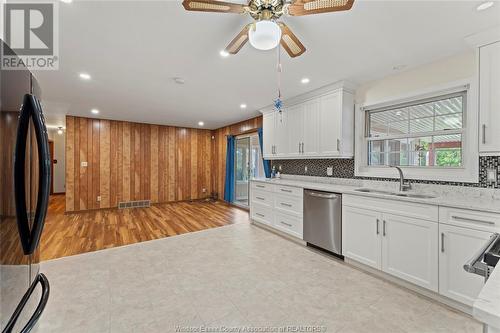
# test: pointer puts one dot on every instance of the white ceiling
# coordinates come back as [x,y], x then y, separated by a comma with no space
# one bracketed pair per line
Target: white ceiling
[133,49]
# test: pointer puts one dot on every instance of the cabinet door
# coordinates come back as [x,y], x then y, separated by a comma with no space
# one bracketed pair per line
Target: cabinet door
[489,98]
[361,235]
[310,142]
[330,123]
[281,147]
[410,250]
[268,134]
[295,118]
[457,246]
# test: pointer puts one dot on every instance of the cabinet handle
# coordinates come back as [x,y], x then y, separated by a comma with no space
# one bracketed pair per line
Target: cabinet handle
[338,144]
[259,214]
[287,224]
[302,147]
[260,186]
[383,229]
[465,219]
[442,242]
[378,221]
[285,204]
[484,134]
[275,149]
[287,191]
[260,198]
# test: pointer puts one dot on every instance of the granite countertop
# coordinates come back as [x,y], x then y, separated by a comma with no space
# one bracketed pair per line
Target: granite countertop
[456,197]
[486,308]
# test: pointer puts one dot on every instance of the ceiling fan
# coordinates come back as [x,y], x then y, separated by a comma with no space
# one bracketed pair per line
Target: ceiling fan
[267,31]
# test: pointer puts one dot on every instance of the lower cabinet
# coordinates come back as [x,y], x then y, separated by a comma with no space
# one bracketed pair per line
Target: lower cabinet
[457,246]
[279,207]
[410,250]
[401,246]
[361,236]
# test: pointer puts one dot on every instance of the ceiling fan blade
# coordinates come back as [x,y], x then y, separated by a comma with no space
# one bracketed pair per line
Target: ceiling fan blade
[238,41]
[290,42]
[213,6]
[308,7]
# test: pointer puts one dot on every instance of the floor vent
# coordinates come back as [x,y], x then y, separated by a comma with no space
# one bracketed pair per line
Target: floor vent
[134,204]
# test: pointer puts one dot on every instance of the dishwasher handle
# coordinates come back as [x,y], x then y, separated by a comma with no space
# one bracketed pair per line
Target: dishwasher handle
[322,196]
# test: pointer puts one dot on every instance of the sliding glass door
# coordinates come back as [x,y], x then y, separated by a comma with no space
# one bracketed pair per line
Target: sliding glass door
[248,165]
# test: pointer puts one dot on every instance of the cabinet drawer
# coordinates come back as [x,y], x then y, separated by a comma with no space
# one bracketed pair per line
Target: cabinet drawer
[262,186]
[397,207]
[289,224]
[470,219]
[262,198]
[288,204]
[262,214]
[289,190]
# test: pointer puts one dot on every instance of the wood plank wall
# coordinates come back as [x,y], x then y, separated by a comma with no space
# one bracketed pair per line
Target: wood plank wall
[219,153]
[132,161]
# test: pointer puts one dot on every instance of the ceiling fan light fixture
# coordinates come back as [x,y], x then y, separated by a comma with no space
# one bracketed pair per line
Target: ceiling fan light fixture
[265,35]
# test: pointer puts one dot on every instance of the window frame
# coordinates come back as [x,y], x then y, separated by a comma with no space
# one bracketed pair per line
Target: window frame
[468,172]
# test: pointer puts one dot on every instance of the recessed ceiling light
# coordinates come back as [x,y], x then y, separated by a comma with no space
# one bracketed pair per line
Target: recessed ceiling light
[200,123]
[224,53]
[305,80]
[85,76]
[94,111]
[179,80]
[243,106]
[484,5]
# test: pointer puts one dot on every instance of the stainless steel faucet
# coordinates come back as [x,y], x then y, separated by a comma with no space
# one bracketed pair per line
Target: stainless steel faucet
[404,184]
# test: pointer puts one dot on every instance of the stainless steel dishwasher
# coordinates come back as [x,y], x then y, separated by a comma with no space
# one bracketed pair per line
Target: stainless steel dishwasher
[323,220]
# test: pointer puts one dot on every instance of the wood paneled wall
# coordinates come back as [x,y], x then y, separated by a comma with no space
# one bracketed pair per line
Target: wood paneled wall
[220,147]
[132,161]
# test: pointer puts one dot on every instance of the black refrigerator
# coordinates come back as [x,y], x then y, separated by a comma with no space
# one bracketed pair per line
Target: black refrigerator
[24,193]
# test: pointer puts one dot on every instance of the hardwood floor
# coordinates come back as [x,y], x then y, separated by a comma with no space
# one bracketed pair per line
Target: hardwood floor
[74,233]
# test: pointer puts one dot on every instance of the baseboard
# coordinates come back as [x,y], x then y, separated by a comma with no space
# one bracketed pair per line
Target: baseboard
[414,288]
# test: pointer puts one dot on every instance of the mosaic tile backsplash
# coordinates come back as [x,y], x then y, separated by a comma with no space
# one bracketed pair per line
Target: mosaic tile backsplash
[344,168]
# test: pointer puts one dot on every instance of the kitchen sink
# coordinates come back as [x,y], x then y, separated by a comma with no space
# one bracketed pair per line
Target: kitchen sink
[397,194]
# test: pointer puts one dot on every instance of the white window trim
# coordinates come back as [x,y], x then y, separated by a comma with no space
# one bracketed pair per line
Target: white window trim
[469,172]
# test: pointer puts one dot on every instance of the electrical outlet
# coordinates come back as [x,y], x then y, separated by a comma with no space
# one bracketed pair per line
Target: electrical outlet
[84,164]
[98,198]
[204,190]
[305,169]
[491,176]
[329,171]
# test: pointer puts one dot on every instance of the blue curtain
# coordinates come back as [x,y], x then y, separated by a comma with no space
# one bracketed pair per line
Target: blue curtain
[267,163]
[229,186]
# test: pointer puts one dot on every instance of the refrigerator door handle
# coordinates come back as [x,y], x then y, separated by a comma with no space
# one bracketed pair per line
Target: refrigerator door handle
[31,110]
[44,165]
[44,283]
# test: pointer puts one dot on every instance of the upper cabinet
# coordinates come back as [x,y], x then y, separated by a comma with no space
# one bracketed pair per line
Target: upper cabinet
[489,98]
[317,127]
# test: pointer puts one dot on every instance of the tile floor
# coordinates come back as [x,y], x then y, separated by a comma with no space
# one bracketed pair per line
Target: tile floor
[233,276]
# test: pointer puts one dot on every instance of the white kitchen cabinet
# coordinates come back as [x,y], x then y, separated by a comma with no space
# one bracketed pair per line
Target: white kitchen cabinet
[410,250]
[457,245]
[489,98]
[281,147]
[361,236]
[317,127]
[403,246]
[268,135]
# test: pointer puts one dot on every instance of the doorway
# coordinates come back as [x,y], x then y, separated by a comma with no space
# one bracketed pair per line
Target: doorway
[248,165]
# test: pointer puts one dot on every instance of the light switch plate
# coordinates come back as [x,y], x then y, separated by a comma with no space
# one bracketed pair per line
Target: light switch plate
[329,171]
[84,164]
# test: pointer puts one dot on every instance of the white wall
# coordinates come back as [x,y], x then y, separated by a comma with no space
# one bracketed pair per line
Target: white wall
[59,155]
[417,79]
